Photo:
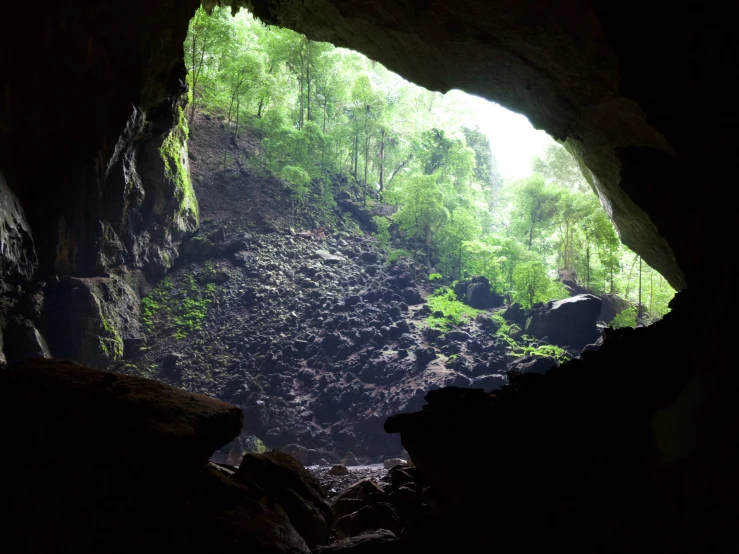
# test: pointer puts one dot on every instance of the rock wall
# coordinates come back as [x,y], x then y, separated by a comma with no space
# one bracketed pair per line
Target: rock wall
[17,255]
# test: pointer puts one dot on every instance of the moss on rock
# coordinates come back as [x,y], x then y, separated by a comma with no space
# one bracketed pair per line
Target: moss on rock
[176,168]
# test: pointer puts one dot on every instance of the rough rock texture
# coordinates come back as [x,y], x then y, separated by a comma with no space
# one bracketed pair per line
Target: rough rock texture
[299,492]
[478,295]
[380,542]
[569,322]
[533,364]
[612,305]
[22,340]
[133,419]
[17,255]
[91,177]
[90,320]
[577,444]
[101,462]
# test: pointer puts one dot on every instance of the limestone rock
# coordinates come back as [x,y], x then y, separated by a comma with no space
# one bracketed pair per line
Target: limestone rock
[87,320]
[22,340]
[392,462]
[479,296]
[339,470]
[569,322]
[380,541]
[349,459]
[17,255]
[328,258]
[381,515]
[612,306]
[533,364]
[360,494]
[296,489]
[68,407]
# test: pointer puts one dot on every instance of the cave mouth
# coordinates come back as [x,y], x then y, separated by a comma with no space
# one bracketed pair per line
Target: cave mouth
[363,241]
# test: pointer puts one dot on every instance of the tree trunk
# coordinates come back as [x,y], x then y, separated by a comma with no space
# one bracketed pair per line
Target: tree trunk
[300,87]
[308,78]
[366,164]
[325,109]
[639,310]
[238,110]
[382,159]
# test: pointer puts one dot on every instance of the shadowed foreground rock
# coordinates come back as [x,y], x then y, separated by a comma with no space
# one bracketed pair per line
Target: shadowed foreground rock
[100,462]
[572,458]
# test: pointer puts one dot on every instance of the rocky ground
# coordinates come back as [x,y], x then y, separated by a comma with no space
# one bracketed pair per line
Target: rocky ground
[306,326]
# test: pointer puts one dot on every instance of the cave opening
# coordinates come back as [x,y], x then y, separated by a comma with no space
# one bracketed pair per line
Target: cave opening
[628,448]
[364,240]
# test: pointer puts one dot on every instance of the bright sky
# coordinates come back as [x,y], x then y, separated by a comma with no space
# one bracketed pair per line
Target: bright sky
[513,140]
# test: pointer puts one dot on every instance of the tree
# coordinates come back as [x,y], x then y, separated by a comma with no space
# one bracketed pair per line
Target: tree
[421,212]
[535,206]
[205,35]
[560,168]
[531,284]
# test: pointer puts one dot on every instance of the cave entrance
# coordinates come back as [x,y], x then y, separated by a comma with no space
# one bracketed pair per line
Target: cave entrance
[364,240]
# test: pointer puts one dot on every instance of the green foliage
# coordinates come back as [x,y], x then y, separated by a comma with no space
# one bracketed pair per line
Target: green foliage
[332,119]
[434,276]
[452,310]
[110,341]
[383,231]
[173,152]
[625,318]
[520,345]
[395,255]
[179,304]
[531,285]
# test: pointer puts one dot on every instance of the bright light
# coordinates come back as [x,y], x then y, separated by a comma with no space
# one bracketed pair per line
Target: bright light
[513,140]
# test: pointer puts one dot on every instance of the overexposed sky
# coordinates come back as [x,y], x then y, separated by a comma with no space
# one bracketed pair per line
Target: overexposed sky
[513,140]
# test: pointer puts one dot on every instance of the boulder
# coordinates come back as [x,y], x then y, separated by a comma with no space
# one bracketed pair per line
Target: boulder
[296,489]
[569,322]
[22,340]
[88,319]
[392,462]
[102,462]
[197,248]
[515,314]
[67,408]
[424,356]
[380,541]
[479,296]
[381,515]
[349,459]
[368,257]
[533,364]
[360,494]
[338,470]
[612,306]
[490,382]
[327,258]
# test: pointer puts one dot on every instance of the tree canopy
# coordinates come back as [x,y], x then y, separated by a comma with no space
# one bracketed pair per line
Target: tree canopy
[331,118]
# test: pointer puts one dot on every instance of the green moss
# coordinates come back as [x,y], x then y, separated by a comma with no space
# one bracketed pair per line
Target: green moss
[507,332]
[174,155]
[110,341]
[452,310]
[178,303]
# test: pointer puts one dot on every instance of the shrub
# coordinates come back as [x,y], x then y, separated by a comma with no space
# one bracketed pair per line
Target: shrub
[383,230]
[625,318]
[453,311]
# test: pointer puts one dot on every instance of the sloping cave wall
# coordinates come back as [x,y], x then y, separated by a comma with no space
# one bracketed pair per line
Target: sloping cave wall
[92,147]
